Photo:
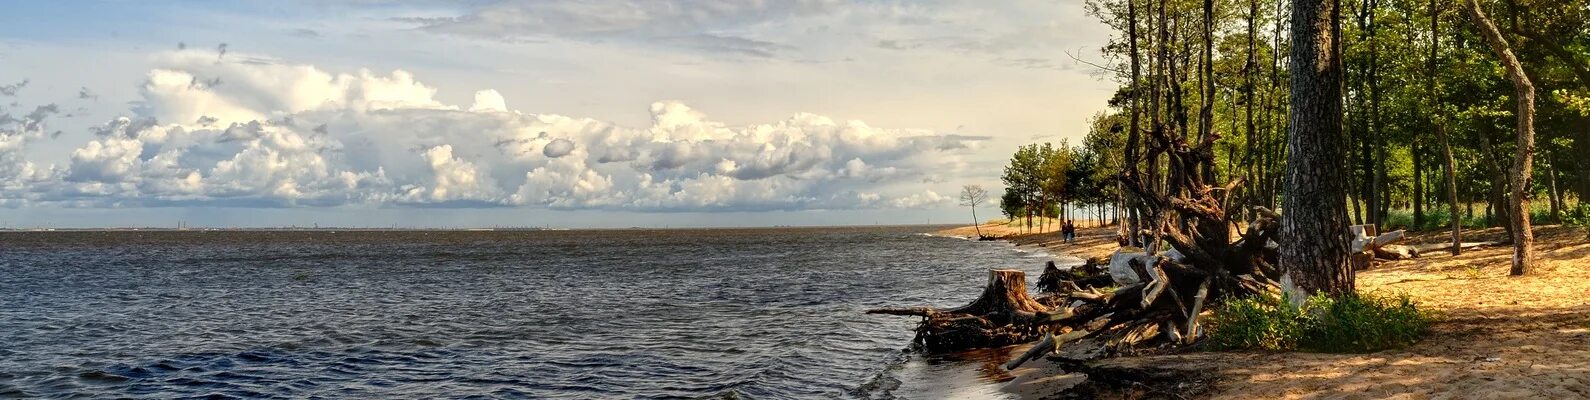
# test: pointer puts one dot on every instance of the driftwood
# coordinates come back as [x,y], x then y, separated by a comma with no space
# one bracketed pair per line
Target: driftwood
[1003,315]
[1086,304]
[1396,252]
[1368,245]
[1447,247]
[1135,382]
[1090,274]
[1188,260]
[1049,344]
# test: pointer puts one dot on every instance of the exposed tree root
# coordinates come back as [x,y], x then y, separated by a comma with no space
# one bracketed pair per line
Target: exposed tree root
[1114,382]
[1148,302]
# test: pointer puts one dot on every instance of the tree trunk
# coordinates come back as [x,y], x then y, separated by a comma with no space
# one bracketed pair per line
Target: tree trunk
[1206,93]
[1556,196]
[1375,130]
[1314,224]
[1418,183]
[1450,168]
[1368,181]
[975,225]
[1518,203]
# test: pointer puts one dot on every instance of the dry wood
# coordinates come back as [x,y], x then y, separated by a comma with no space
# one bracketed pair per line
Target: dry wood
[1191,329]
[1049,344]
[1447,247]
[1004,314]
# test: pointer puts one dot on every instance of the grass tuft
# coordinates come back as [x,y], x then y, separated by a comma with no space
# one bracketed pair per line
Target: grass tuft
[1354,323]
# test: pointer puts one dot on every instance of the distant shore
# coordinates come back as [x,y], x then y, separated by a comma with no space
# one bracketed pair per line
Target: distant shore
[1500,336]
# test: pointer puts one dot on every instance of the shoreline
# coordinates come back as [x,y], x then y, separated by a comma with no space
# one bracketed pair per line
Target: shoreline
[1501,336]
[1041,378]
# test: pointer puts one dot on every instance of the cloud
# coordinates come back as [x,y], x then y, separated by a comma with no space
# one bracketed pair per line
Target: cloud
[284,135]
[609,18]
[920,200]
[12,89]
[558,148]
[699,25]
[728,45]
[488,100]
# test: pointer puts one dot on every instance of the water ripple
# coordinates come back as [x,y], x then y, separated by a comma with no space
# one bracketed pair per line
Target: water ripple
[570,314]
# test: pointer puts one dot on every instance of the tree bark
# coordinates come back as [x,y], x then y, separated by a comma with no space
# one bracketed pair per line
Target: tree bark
[1450,168]
[1418,182]
[975,225]
[1314,222]
[1556,196]
[1518,203]
[1249,71]
[1206,93]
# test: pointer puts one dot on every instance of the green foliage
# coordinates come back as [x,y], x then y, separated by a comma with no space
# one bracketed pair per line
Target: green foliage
[1257,323]
[1354,323]
[1362,323]
[1435,219]
[1407,89]
[1541,216]
[1578,215]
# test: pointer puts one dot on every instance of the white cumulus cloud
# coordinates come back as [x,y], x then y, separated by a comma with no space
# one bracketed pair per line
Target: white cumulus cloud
[269,133]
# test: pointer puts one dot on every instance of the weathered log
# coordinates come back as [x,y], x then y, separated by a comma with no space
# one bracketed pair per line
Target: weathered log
[1396,252]
[1158,300]
[1191,330]
[1003,314]
[1091,274]
[1049,344]
[1388,238]
[1367,246]
[1135,382]
[1447,247]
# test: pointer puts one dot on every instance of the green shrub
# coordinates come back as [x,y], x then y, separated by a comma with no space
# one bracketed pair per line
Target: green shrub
[1578,215]
[1261,323]
[1354,323]
[1435,219]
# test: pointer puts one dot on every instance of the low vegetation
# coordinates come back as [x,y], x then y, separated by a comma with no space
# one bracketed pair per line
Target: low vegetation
[1351,323]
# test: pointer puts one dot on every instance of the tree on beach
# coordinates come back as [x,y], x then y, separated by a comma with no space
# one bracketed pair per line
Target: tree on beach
[1314,223]
[1037,182]
[1519,180]
[1023,181]
[1054,167]
[971,196]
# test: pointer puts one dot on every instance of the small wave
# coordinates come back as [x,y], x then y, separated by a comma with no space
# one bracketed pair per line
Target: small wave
[882,384]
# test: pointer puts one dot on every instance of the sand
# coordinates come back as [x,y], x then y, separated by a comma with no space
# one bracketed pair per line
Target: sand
[1499,337]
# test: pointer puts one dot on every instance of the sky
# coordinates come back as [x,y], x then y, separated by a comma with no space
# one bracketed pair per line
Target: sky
[552,113]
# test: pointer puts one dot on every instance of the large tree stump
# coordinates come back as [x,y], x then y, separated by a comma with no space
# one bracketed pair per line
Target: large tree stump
[1006,292]
[1004,314]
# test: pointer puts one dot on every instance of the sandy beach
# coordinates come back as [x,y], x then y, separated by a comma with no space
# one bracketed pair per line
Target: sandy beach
[1498,337]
